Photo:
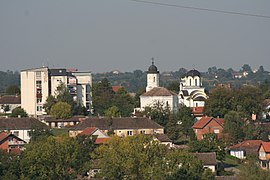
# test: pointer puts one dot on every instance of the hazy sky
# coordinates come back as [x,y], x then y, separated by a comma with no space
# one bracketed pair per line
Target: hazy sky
[104,35]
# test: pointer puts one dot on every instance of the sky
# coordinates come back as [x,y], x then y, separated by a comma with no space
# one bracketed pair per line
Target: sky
[124,35]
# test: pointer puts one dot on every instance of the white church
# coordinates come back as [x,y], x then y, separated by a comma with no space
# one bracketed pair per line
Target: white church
[191,93]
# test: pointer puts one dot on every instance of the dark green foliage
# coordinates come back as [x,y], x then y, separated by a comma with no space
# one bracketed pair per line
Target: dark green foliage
[51,100]
[209,143]
[13,90]
[124,102]
[174,86]
[18,111]
[38,134]
[61,110]
[9,166]
[234,127]
[7,79]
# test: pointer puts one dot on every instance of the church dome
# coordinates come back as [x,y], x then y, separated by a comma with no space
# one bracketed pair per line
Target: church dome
[193,73]
[152,68]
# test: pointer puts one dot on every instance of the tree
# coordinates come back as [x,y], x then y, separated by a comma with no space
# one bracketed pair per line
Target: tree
[50,101]
[61,110]
[112,112]
[233,127]
[209,143]
[246,68]
[9,165]
[18,111]
[13,90]
[174,86]
[219,102]
[5,107]
[130,158]
[39,133]
[124,102]
[51,158]
[102,96]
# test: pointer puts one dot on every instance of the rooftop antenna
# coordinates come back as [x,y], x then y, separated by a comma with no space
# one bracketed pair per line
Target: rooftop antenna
[152,61]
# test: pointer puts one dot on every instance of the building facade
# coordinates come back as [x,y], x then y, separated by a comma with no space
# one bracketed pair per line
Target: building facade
[38,83]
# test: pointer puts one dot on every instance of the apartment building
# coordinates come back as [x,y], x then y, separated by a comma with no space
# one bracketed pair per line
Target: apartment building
[38,83]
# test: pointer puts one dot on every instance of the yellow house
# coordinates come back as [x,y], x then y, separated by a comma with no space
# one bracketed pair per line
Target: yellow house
[125,126]
[264,155]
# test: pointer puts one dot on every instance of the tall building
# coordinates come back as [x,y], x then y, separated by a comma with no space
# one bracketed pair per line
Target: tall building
[38,83]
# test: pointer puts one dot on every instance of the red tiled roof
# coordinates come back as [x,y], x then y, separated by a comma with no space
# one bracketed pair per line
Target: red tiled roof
[247,144]
[266,146]
[116,88]
[3,135]
[88,131]
[197,110]
[101,140]
[159,91]
[205,120]
[10,99]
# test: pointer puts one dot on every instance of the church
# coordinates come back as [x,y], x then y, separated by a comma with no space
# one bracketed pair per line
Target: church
[191,93]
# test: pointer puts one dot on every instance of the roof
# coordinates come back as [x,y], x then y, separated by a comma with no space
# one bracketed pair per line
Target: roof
[162,137]
[101,140]
[58,72]
[10,99]
[20,123]
[159,91]
[266,146]
[208,158]
[152,68]
[88,131]
[205,120]
[116,88]
[197,110]
[193,73]
[5,135]
[199,98]
[117,123]
[250,146]
[72,119]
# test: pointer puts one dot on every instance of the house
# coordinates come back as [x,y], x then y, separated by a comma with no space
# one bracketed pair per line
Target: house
[125,126]
[163,139]
[21,127]
[208,125]
[116,88]
[197,112]
[38,83]
[12,101]
[208,160]
[245,148]
[61,123]
[264,155]
[93,131]
[11,143]
[192,93]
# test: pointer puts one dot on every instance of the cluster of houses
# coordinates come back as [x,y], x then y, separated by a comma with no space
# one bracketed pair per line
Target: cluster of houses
[16,132]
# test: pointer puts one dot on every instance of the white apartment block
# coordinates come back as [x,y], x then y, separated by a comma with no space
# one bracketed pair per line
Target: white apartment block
[38,83]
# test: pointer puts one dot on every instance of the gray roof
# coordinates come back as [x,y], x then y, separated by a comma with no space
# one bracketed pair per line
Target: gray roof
[10,99]
[193,73]
[208,158]
[117,123]
[159,91]
[20,123]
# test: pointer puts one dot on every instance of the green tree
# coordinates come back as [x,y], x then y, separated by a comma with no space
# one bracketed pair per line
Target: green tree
[174,86]
[39,133]
[13,90]
[18,111]
[102,96]
[51,158]
[9,165]
[50,101]
[112,112]
[209,143]
[219,102]
[233,127]
[135,157]
[61,110]
[124,102]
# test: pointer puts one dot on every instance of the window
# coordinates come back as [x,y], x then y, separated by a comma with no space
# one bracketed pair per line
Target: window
[142,132]
[196,82]
[154,79]
[39,108]
[190,82]
[129,133]
[216,131]
[38,100]
[16,133]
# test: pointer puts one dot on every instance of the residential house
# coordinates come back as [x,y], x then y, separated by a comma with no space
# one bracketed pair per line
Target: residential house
[264,155]
[95,132]
[163,139]
[197,112]
[245,148]
[21,127]
[208,125]
[208,160]
[12,101]
[61,123]
[266,106]
[11,143]
[125,126]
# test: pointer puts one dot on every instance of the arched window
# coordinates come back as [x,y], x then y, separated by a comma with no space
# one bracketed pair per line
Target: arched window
[190,82]
[196,82]
[154,79]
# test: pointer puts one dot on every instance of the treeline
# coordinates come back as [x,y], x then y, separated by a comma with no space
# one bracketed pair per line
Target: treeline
[7,79]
